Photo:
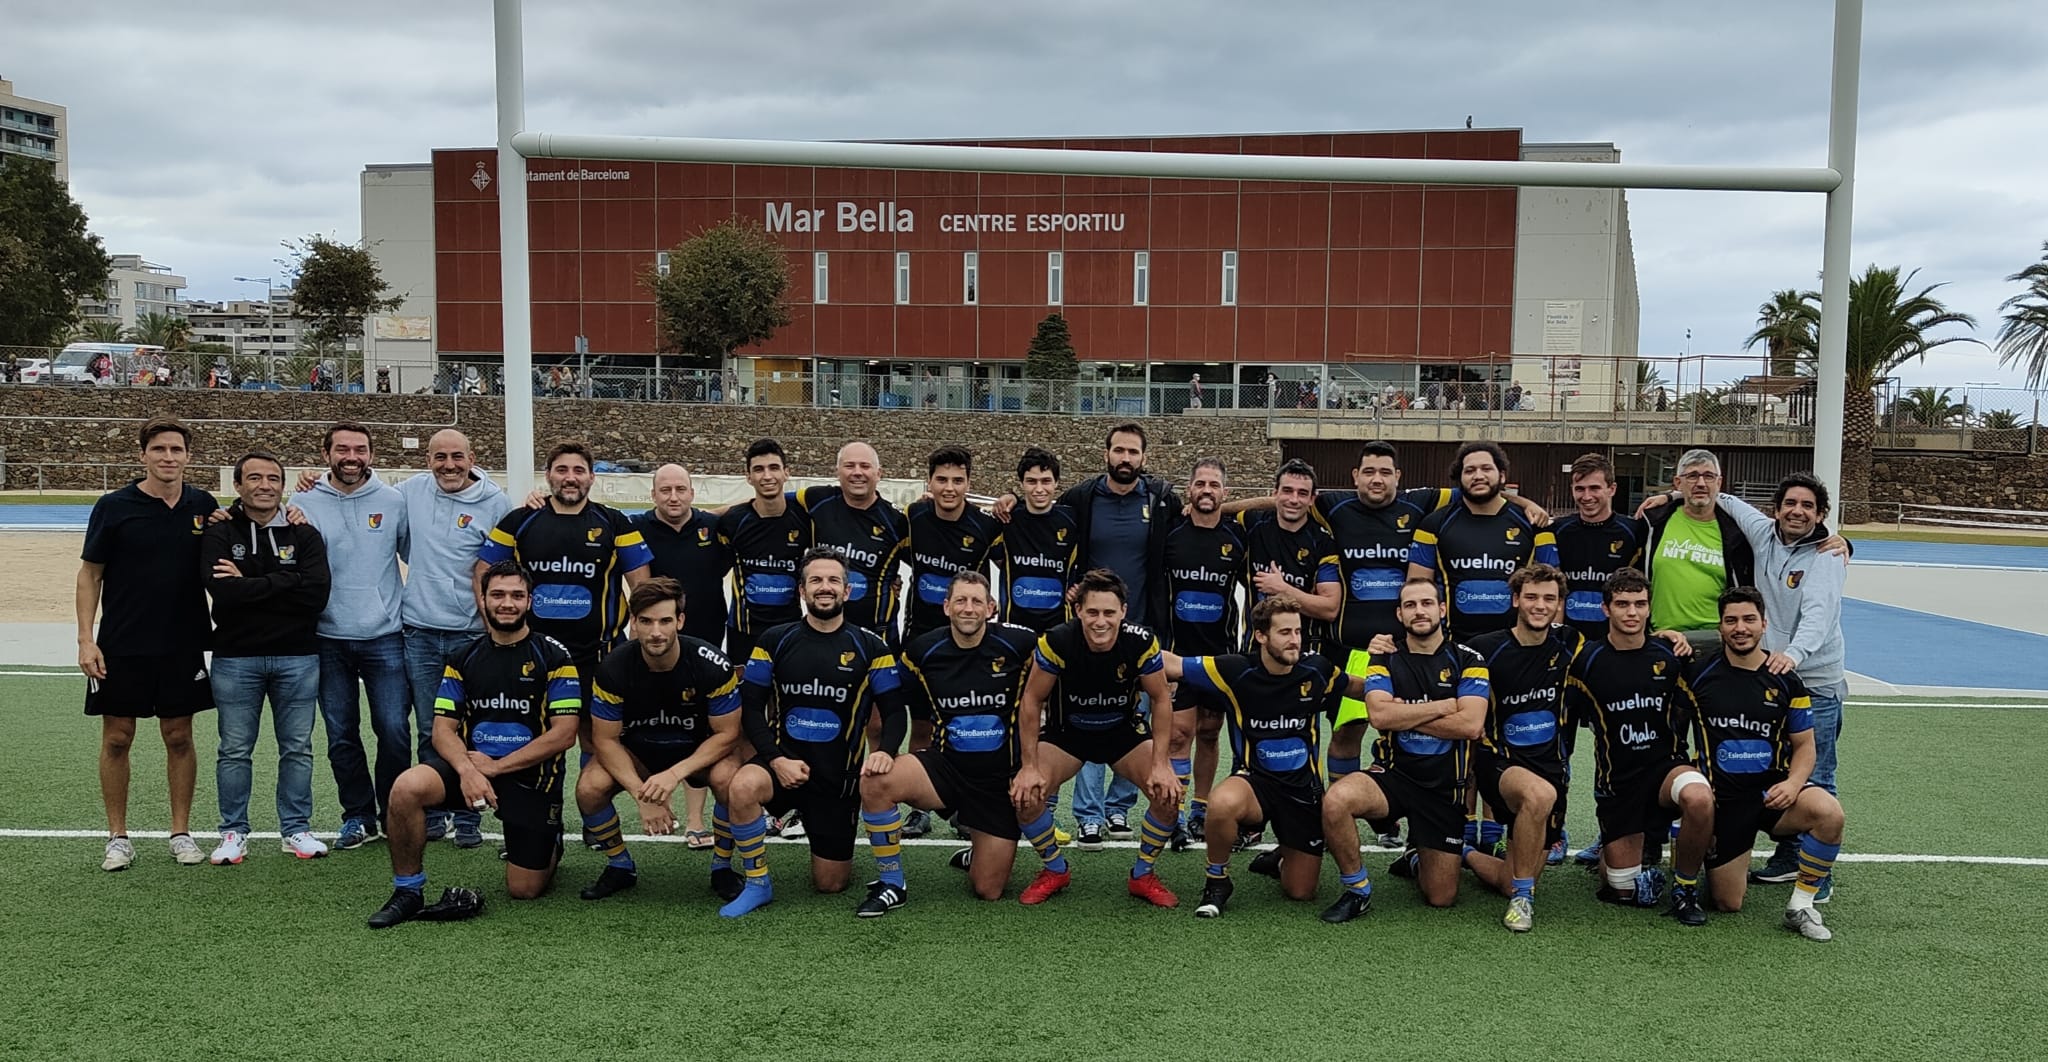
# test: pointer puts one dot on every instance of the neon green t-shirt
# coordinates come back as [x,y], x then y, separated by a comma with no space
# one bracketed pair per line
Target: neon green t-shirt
[1687,577]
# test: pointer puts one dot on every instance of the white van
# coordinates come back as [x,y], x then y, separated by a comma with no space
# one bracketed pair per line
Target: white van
[81,363]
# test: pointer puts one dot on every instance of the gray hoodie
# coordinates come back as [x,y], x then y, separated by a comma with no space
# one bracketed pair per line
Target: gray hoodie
[366,533]
[446,531]
[1802,590]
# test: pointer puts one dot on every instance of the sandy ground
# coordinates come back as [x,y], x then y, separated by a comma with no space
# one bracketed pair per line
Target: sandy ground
[43,576]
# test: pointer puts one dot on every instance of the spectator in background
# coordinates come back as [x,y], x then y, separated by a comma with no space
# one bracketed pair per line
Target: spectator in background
[1195,391]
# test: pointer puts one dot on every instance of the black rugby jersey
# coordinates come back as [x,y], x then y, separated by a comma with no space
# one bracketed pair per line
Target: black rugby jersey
[1632,700]
[1454,670]
[1471,556]
[824,686]
[765,550]
[938,550]
[1096,691]
[873,540]
[1275,720]
[974,693]
[1306,557]
[1588,554]
[1526,722]
[1035,563]
[664,715]
[695,558]
[1205,573]
[1372,555]
[1744,721]
[577,561]
[502,696]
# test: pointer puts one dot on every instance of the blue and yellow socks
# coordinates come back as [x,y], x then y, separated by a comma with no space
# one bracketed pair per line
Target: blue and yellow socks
[1152,837]
[1816,862]
[410,882]
[1340,766]
[750,844]
[1219,871]
[1359,882]
[603,828]
[721,837]
[1038,833]
[885,838]
[1524,888]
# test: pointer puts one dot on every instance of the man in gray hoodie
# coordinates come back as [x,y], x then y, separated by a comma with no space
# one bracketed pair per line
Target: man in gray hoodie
[364,522]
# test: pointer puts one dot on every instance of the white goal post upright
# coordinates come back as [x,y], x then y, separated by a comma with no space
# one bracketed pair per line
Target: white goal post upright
[516,145]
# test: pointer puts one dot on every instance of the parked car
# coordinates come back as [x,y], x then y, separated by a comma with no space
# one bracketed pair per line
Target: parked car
[33,370]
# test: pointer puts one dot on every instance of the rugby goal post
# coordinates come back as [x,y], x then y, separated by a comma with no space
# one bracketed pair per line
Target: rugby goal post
[516,144]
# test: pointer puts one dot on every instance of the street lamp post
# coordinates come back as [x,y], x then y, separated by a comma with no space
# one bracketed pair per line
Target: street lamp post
[269,328]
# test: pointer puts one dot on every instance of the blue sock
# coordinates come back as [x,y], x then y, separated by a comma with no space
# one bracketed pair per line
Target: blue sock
[1038,832]
[1471,832]
[721,836]
[885,839]
[1219,870]
[1360,883]
[583,759]
[411,882]
[1342,765]
[604,826]
[750,840]
[1491,832]
[1525,888]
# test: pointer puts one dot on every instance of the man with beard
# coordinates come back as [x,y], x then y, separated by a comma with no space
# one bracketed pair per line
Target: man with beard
[825,678]
[504,717]
[1290,554]
[868,530]
[1205,571]
[1469,550]
[1124,515]
[366,526]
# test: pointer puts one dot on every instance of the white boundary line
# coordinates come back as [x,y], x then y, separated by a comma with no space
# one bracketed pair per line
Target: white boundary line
[935,842]
[1952,565]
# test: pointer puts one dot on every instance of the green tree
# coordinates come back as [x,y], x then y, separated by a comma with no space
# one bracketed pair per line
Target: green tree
[1648,381]
[166,330]
[2000,420]
[48,261]
[1786,324]
[98,330]
[1050,360]
[1889,325]
[2023,328]
[336,286]
[1931,408]
[725,288]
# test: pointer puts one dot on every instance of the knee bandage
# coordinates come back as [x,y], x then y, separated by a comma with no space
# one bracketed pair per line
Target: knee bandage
[1685,779]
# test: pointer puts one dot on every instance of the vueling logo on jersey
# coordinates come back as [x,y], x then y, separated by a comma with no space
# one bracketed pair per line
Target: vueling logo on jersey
[463,520]
[376,521]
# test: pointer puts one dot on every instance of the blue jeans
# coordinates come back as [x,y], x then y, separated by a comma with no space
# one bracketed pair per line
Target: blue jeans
[240,684]
[1827,729]
[426,653]
[378,666]
[1090,804]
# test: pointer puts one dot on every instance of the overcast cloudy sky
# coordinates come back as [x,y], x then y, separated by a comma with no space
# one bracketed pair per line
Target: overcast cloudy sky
[203,135]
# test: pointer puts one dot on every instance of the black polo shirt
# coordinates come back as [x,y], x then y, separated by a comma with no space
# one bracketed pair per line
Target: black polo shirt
[153,602]
[694,557]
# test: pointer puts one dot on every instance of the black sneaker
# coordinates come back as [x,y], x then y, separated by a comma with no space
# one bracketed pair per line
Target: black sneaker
[1404,864]
[961,860]
[1685,906]
[1089,837]
[1782,867]
[403,906]
[455,905]
[1119,826]
[1215,894]
[1267,863]
[1198,827]
[1247,839]
[614,879]
[726,884]
[1180,841]
[882,899]
[1349,905]
[917,825]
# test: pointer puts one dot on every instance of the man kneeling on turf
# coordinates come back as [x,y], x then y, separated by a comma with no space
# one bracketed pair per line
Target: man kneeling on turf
[505,715]
[664,709]
[969,675]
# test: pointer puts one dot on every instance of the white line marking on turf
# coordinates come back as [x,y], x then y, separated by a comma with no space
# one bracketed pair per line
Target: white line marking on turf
[1933,564]
[934,842]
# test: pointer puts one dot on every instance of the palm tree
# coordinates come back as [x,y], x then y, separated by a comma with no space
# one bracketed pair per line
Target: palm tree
[2023,333]
[1930,408]
[1888,327]
[98,331]
[1649,381]
[1787,325]
[166,330]
[2000,420]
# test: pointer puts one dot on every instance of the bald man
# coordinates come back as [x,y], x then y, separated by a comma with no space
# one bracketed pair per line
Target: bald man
[685,542]
[855,519]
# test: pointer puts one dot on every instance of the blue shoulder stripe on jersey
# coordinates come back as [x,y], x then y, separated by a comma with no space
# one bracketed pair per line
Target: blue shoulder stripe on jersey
[531,516]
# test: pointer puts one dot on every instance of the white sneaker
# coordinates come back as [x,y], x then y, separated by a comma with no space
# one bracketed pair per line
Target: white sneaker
[1805,921]
[792,827]
[186,850]
[304,845]
[120,853]
[233,846]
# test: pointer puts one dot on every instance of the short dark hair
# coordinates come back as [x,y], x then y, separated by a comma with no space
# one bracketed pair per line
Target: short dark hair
[1277,605]
[339,426]
[1295,466]
[159,425]
[653,592]
[1535,573]
[968,577]
[1379,448]
[1742,595]
[1216,463]
[257,455]
[1625,581]
[1101,581]
[1500,457]
[507,569]
[1129,427]
[568,447]
[763,448]
[949,454]
[1435,591]
[1802,479]
[1589,463]
[820,553]
[1039,457]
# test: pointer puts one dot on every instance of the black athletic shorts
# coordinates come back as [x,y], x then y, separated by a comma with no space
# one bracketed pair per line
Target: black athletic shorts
[828,810]
[1436,817]
[652,759]
[532,818]
[168,686]
[1633,804]
[1295,813]
[1738,818]
[1487,770]
[1106,747]
[982,803]
[1186,696]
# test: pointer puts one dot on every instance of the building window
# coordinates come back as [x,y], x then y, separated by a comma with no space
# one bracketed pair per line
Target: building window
[1230,278]
[821,277]
[902,278]
[661,263]
[1141,278]
[970,277]
[1053,268]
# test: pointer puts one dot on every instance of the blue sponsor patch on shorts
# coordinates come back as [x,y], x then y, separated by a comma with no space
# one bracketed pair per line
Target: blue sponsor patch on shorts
[1196,606]
[1743,756]
[1524,729]
[1377,584]
[1281,755]
[557,602]
[1482,597]
[498,739]
[975,733]
[770,589]
[810,724]
[1035,593]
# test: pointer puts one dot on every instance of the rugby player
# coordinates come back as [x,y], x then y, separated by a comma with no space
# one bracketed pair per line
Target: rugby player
[1205,573]
[683,540]
[1470,549]
[765,535]
[664,710]
[825,677]
[1086,675]
[1629,689]
[1427,699]
[853,518]
[1292,554]
[1278,697]
[1039,547]
[1756,735]
[971,677]
[504,719]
